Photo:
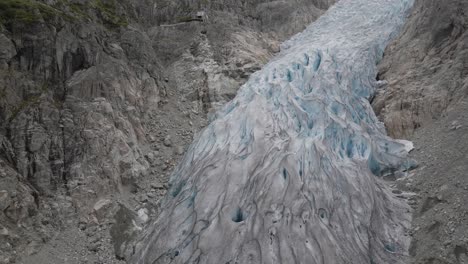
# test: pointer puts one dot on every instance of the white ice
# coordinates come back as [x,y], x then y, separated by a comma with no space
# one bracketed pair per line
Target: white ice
[288,171]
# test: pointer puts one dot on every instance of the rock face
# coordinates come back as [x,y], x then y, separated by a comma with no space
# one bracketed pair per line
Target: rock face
[91,90]
[426,67]
[214,57]
[425,100]
[440,226]
[72,107]
[286,173]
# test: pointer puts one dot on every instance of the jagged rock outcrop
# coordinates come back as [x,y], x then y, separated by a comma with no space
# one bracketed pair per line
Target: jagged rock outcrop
[426,67]
[72,110]
[214,57]
[90,89]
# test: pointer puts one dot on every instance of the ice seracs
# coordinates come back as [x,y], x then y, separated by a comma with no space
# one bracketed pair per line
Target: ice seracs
[288,171]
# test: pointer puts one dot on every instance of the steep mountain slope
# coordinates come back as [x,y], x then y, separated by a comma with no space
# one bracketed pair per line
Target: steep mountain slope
[426,101]
[426,67]
[98,99]
[440,221]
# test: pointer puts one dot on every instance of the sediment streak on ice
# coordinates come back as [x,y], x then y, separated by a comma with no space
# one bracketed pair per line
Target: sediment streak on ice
[288,170]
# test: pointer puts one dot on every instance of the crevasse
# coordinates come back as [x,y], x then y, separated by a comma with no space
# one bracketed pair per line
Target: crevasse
[288,171]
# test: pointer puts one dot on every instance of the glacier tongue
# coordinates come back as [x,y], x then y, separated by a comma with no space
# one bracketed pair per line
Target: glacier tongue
[288,172]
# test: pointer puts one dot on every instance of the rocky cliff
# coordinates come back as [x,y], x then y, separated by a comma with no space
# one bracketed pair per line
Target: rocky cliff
[426,67]
[98,99]
[425,100]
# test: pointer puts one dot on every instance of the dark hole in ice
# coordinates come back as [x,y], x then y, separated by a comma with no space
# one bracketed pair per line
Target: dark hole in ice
[374,166]
[177,189]
[238,216]
[174,254]
[378,77]
[317,62]
[191,200]
[410,165]
[289,75]
[306,57]
[390,248]
[349,149]
[322,213]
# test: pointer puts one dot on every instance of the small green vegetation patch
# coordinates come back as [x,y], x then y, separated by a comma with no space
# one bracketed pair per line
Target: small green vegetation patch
[25,11]
[31,11]
[2,94]
[23,105]
[108,12]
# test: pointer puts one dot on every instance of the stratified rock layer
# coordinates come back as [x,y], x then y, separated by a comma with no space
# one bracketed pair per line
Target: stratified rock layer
[286,171]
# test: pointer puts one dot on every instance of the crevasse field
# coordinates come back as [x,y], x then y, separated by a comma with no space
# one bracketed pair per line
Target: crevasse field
[289,171]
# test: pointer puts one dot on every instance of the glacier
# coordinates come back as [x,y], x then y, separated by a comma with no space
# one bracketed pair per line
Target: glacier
[290,171]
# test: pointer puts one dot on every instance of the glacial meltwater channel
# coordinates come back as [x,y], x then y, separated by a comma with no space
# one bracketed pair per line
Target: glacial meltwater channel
[289,171]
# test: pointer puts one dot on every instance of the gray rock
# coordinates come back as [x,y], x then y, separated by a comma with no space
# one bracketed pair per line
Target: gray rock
[143,198]
[7,50]
[102,209]
[179,150]
[5,200]
[4,231]
[157,185]
[143,215]
[424,67]
[123,231]
[80,97]
[94,246]
[150,157]
[168,141]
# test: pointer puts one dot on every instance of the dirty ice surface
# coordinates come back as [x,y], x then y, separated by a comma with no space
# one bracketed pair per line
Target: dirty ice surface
[289,171]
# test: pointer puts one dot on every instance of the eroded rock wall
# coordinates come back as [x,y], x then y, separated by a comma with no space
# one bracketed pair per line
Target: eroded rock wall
[99,98]
[426,67]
